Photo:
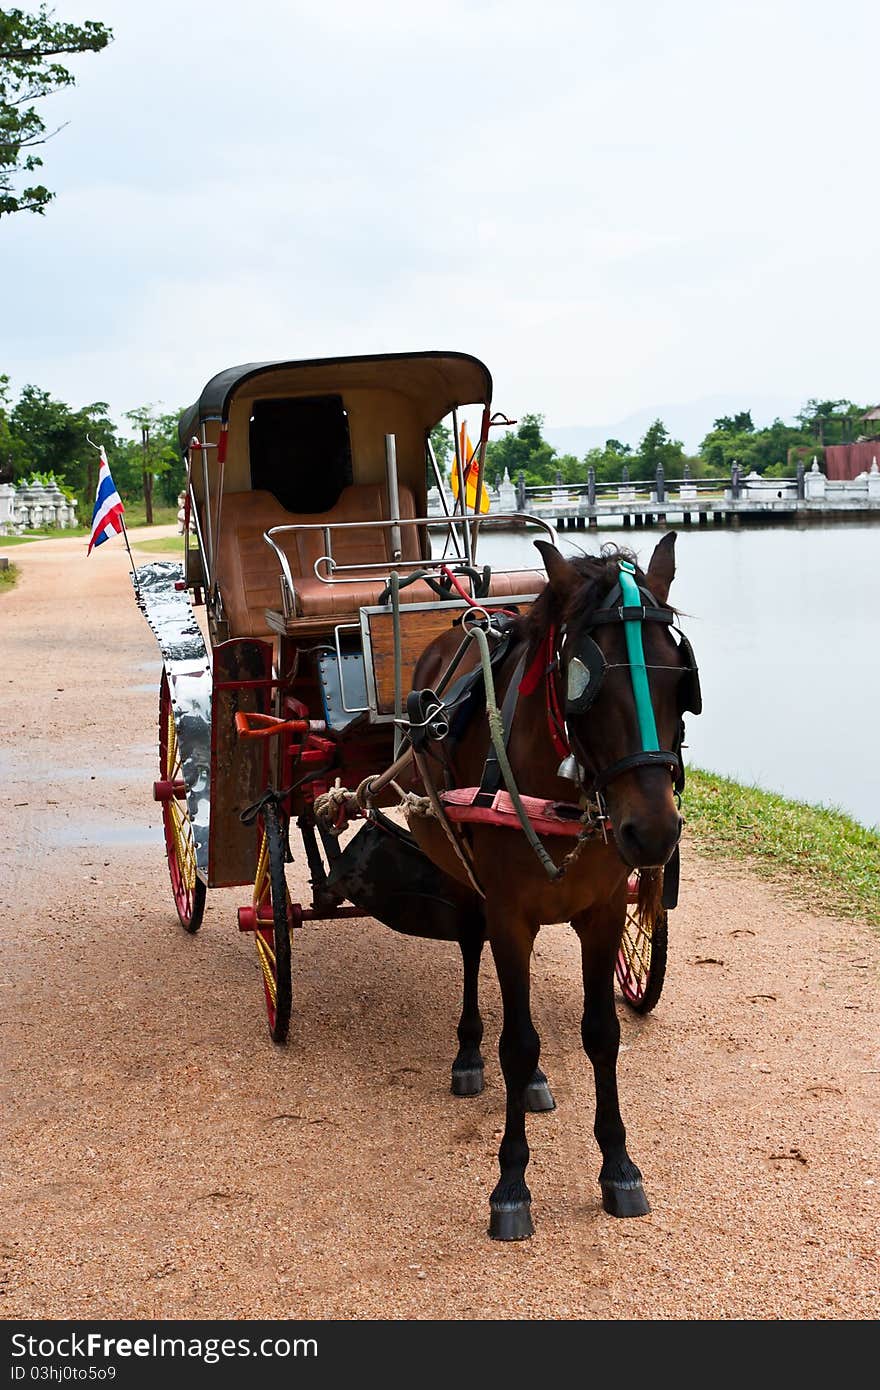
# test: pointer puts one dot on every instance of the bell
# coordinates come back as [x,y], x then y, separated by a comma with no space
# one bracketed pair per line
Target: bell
[569,768]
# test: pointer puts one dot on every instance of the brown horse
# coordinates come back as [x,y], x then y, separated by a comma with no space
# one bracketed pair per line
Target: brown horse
[605,735]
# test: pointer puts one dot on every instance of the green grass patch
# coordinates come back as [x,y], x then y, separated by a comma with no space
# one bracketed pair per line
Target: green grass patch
[172,545]
[136,516]
[821,855]
[8,578]
[31,536]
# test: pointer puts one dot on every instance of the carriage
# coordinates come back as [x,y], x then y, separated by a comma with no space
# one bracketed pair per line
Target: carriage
[313,576]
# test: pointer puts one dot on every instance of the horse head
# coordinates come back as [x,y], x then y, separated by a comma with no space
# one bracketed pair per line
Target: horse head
[623,684]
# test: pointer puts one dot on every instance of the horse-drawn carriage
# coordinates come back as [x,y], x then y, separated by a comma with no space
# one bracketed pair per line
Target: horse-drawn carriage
[323,585]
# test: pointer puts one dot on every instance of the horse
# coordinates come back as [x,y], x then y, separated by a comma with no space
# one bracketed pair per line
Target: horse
[569,683]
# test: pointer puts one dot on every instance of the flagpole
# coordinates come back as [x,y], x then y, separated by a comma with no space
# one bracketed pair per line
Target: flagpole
[137,587]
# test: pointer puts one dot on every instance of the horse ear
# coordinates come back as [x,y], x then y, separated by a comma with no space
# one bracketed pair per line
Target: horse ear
[563,576]
[661,570]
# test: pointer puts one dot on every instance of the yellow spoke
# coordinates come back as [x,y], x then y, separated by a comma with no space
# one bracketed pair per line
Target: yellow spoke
[267,962]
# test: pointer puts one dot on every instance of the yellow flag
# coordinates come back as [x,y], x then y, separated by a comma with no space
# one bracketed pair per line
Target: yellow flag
[471,465]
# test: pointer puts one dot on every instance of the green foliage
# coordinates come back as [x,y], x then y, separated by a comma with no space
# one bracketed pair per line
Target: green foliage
[50,438]
[527,451]
[30,44]
[658,449]
[156,451]
[441,443]
[824,858]
[9,575]
[740,423]
[756,450]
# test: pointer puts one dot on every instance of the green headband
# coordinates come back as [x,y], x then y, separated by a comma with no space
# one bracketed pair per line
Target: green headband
[635,651]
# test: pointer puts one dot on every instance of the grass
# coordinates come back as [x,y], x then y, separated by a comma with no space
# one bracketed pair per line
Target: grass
[821,855]
[31,536]
[8,578]
[167,544]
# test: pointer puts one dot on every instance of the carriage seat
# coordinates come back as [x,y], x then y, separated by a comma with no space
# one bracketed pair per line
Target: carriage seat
[249,576]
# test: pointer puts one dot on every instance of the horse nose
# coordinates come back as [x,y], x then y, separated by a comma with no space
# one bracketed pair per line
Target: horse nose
[649,844]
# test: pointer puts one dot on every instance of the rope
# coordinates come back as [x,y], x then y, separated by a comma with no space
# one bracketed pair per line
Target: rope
[496,733]
[439,811]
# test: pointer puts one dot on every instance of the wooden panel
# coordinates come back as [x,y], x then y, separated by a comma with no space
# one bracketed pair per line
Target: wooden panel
[238,766]
[418,627]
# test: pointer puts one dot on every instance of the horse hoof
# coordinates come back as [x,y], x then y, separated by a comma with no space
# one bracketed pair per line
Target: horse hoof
[539,1098]
[510,1221]
[624,1199]
[467,1082]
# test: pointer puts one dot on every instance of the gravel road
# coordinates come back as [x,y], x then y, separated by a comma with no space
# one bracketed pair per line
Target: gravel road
[161,1158]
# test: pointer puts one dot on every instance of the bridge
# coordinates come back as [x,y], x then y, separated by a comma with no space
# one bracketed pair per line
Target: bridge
[740,500]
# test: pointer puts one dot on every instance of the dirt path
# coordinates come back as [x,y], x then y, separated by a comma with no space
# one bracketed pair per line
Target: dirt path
[162,1159]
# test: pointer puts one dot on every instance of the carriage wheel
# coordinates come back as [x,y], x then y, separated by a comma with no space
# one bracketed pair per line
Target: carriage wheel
[188,889]
[272,911]
[641,960]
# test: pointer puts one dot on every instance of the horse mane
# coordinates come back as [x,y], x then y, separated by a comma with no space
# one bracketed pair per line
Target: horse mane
[599,572]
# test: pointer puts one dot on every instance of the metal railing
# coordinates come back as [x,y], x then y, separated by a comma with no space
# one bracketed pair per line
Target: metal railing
[355,574]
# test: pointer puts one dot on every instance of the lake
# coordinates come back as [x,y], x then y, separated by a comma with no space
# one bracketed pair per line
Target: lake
[786,627]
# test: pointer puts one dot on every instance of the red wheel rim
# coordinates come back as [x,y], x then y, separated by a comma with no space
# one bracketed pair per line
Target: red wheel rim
[180,848]
[265,914]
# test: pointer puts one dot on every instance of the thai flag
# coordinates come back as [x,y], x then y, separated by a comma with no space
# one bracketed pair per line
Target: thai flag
[107,516]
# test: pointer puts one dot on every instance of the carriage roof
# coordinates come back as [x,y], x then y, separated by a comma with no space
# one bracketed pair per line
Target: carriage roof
[432,383]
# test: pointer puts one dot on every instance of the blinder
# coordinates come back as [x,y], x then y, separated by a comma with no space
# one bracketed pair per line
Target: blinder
[584,676]
[690,695]
[585,671]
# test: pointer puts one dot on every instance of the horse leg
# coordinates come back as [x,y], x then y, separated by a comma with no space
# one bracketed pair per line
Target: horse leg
[467,1069]
[620,1180]
[519,1050]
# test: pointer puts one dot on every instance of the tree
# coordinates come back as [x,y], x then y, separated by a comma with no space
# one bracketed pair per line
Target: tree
[29,47]
[735,424]
[441,443]
[527,451]
[160,455]
[657,449]
[51,438]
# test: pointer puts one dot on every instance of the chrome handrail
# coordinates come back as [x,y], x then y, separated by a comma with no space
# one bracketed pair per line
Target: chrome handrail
[288,587]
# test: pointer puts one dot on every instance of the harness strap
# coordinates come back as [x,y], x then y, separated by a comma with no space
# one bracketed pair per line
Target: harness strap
[656,758]
[633,613]
[490,782]
[636,654]
[541,668]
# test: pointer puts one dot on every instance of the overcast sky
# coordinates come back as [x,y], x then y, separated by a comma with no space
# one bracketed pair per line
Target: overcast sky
[615,205]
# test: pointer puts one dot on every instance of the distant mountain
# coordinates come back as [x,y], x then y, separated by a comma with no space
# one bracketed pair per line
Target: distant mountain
[688,421]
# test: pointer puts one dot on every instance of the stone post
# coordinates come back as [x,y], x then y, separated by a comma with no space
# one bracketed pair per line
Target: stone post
[874,483]
[661,484]
[591,486]
[507,494]
[520,491]
[814,484]
[801,492]
[7,508]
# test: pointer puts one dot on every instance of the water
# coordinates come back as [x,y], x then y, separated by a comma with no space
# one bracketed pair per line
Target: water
[785,624]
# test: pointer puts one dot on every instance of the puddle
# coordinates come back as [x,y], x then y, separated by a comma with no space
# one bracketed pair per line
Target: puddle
[101,774]
[150,687]
[103,833]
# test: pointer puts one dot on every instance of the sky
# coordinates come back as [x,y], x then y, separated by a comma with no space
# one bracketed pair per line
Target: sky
[620,207]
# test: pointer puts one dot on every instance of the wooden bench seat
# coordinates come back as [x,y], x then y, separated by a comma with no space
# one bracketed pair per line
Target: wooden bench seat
[249,574]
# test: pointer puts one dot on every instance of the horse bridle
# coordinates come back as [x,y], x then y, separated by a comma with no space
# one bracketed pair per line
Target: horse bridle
[583,671]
